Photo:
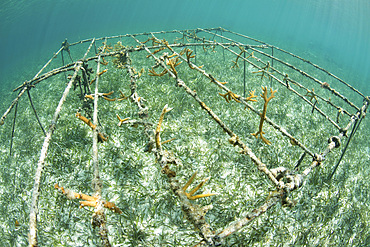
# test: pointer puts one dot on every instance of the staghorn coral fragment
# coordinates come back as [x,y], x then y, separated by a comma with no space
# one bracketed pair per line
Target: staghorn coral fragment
[156,51]
[103,95]
[173,62]
[242,50]
[158,129]
[260,133]
[229,96]
[167,141]
[311,95]
[263,71]
[251,97]
[102,72]
[101,137]
[88,201]
[123,97]
[104,62]
[188,56]
[85,120]
[153,73]
[121,120]
[192,192]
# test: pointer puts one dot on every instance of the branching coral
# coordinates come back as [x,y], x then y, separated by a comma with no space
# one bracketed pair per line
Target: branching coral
[173,62]
[188,56]
[103,62]
[121,120]
[311,95]
[251,96]
[242,50]
[156,51]
[101,137]
[153,73]
[263,114]
[86,121]
[263,71]
[154,41]
[102,72]
[192,192]
[230,96]
[158,129]
[90,201]
[103,95]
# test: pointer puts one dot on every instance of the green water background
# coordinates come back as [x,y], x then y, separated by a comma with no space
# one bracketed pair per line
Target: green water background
[333,34]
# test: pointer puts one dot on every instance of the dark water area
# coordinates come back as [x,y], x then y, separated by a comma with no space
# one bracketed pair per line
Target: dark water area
[332,34]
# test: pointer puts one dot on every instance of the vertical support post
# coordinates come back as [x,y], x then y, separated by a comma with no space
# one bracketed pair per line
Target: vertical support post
[195,52]
[223,50]
[34,209]
[65,75]
[96,50]
[244,75]
[34,110]
[11,140]
[272,63]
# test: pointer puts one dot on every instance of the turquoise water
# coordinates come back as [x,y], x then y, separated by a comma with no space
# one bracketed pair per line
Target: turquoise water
[336,33]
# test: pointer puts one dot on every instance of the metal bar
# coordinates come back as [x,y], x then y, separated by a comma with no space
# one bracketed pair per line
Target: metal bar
[40,165]
[24,89]
[301,72]
[287,86]
[272,63]
[32,236]
[269,121]
[34,111]
[304,60]
[243,74]
[13,129]
[246,150]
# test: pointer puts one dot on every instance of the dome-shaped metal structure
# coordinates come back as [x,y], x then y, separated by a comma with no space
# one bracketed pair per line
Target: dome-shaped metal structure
[179,104]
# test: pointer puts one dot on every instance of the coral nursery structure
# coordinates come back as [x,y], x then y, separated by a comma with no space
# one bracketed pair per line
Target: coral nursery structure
[162,126]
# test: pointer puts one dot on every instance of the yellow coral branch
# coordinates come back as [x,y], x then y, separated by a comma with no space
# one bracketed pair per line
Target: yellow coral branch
[85,120]
[193,191]
[311,95]
[242,50]
[223,83]
[102,72]
[158,129]
[156,51]
[103,95]
[263,71]
[89,201]
[229,96]
[108,99]
[263,114]
[121,120]
[102,138]
[168,141]
[251,97]
[123,97]
[153,73]
[173,63]
[103,62]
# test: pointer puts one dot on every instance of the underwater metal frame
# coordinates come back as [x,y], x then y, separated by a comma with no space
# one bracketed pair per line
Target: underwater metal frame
[323,97]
